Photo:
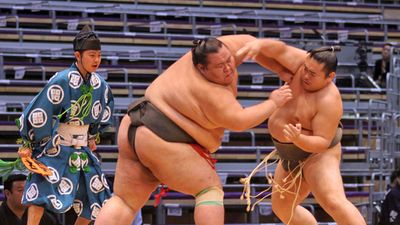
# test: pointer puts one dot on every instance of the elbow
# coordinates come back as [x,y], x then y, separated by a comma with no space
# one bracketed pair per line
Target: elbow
[239,126]
[237,129]
[318,148]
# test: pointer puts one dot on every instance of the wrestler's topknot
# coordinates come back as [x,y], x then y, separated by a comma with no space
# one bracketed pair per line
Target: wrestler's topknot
[327,56]
[203,47]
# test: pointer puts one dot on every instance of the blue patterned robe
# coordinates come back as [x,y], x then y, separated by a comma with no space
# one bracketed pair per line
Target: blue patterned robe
[77,179]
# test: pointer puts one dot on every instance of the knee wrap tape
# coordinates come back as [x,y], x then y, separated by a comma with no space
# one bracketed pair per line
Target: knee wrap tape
[210,196]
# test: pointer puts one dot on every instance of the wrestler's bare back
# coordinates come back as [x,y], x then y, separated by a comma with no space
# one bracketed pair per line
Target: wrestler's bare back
[180,94]
[190,100]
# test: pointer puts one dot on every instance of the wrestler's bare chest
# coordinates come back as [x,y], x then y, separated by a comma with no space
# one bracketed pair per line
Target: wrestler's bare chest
[301,109]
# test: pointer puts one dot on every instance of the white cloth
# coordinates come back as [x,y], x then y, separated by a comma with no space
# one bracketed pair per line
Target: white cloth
[73,135]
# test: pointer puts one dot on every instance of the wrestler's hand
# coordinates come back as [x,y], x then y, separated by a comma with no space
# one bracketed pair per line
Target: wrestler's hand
[248,51]
[281,96]
[24,152]
[92,144]
[285,75]
[292,132]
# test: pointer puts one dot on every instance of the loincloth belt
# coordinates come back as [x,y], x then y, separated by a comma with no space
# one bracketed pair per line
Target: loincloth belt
[73,135]
[291,155]
[293,160]
[143,113]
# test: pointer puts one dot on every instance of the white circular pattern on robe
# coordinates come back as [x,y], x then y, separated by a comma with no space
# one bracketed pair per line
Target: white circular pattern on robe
[54,177]
[32,192]
[76,162]
[95,81]
[94,156]
[106,95]
[75,79]
[104,180]
[57,204]
[44,141]
[75,108]
[53,152]
[56,140]
[78,206]
[66,209]
[65,187]
[84,162]
[96,109]
[31,134]
[75,121]
[106,114]
[21,122]
[96,185]
[38,118]
[55,94]
[95,210]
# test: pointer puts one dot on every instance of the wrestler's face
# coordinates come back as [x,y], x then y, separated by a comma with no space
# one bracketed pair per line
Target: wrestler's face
[313,77]
[220,68]
[90,59]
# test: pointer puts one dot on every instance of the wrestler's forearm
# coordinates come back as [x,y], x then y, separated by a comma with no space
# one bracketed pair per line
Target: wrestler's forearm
[313,144]
[284,54]
[254,115]
[271,47]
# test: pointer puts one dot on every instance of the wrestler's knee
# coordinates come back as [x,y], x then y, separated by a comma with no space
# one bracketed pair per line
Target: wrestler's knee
[210,196]
[122,204]
[332,203]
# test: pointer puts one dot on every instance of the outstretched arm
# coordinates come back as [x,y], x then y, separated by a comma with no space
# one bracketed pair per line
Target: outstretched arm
[263,51]
[228,113]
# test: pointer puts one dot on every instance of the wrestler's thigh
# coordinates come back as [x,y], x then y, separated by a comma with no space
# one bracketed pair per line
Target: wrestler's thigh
[176,164]
[133,182]
[286,199]
[322,173]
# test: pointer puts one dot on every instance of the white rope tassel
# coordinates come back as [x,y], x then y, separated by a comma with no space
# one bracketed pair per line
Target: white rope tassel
[293,176]
[246,181]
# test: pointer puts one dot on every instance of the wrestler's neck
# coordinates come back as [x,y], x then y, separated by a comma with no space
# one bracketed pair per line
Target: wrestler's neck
[84,73]
[314,90]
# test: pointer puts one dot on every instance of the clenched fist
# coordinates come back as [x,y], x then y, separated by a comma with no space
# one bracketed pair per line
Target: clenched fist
[292,132]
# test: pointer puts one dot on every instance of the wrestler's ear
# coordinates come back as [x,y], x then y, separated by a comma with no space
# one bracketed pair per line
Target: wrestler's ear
[331,75]
[201,68]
